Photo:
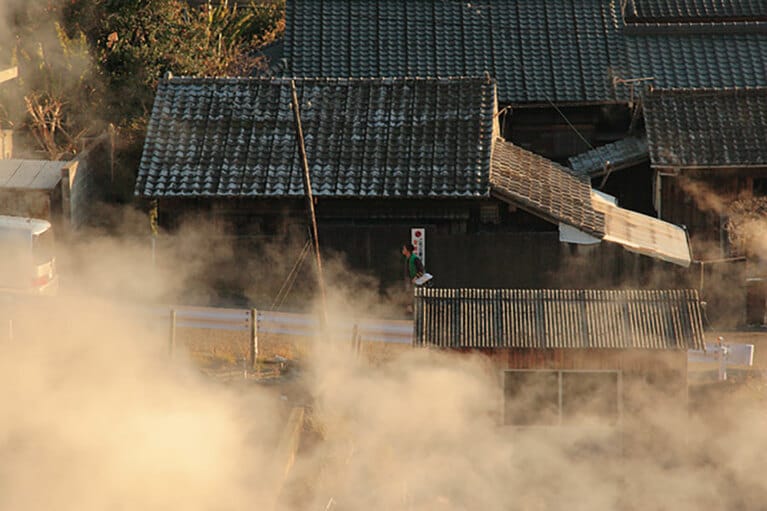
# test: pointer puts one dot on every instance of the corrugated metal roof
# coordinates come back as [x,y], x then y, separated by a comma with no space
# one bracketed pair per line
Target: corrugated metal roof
[615,156]
[30,174]
[707,128]
[543,187]
[235,137]
[564,51]
[569,319]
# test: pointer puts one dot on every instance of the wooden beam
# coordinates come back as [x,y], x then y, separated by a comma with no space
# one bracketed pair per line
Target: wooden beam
[309,200]
[8,74]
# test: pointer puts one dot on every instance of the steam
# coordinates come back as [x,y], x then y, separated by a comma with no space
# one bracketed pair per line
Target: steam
[96,416]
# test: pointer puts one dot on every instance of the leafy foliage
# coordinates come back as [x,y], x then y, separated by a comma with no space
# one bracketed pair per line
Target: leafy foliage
[745,225]
[87,63]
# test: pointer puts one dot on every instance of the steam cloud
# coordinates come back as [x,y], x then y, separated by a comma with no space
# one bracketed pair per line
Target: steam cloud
[94,416]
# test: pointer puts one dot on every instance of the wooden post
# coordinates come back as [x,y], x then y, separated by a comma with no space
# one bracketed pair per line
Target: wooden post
[111,134]
[355,339]
[253,348]
[311,216]
[172,343]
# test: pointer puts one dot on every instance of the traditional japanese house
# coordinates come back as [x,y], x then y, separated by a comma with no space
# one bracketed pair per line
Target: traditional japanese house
[387,155]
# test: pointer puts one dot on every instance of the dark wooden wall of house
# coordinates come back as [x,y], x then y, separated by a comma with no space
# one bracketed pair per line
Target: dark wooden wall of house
[681,205]
[699,200]
[633,187]
[559,133]
[465,247]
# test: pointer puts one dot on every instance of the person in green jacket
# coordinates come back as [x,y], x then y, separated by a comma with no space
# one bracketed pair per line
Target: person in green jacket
[414,264]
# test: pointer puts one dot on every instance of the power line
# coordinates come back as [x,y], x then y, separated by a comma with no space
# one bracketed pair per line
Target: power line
[568,122]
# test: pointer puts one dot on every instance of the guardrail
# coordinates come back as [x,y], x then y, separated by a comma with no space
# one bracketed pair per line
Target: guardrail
[285,323]
[365,330]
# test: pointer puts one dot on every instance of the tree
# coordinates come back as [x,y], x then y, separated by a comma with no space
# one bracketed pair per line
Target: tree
[86,63]
[55,79]
[137,42]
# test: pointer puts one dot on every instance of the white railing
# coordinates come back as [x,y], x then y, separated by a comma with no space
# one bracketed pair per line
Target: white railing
[285,323]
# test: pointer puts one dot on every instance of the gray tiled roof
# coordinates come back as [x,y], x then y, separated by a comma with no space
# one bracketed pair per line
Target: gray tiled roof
[618,155]
[386,138]
[565,51]
[707,128]
[695,10]
[686,56]
[558,319]
[544,188]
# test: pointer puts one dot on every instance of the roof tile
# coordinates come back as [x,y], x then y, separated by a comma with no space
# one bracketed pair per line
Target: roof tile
[707,128]
[544,187]
[364,137]
[562,50]
[617,155]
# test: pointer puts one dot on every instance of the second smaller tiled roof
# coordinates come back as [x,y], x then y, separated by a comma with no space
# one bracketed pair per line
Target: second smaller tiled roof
[615,156]
[707,128]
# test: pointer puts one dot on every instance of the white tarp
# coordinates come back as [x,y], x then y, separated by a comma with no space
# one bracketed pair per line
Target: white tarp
[642,233]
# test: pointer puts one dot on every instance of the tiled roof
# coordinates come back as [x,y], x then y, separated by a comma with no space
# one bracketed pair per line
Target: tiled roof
[618,155]
[699,60]
[695,10]
[707,128]
[565,51]
[558,319]
[544,188]
[386,138]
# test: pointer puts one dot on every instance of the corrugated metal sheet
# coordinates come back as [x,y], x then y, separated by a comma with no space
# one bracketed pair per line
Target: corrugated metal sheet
[644,234]
[30,174]
[569,319]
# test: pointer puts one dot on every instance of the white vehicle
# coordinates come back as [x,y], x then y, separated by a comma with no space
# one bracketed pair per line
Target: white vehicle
[27,258]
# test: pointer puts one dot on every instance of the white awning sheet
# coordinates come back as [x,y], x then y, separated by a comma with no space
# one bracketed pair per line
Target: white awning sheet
[643,234]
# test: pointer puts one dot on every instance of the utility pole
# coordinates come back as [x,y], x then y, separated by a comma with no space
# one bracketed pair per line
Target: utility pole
[309,198]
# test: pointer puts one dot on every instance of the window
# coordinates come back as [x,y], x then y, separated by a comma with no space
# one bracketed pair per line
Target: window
[759,187]
[569,397]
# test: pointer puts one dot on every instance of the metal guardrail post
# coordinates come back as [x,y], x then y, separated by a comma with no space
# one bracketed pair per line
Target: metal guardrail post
[356,340]
[253,348]
[172,340]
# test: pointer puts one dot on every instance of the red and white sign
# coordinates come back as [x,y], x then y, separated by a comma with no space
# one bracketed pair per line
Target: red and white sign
[418,239]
